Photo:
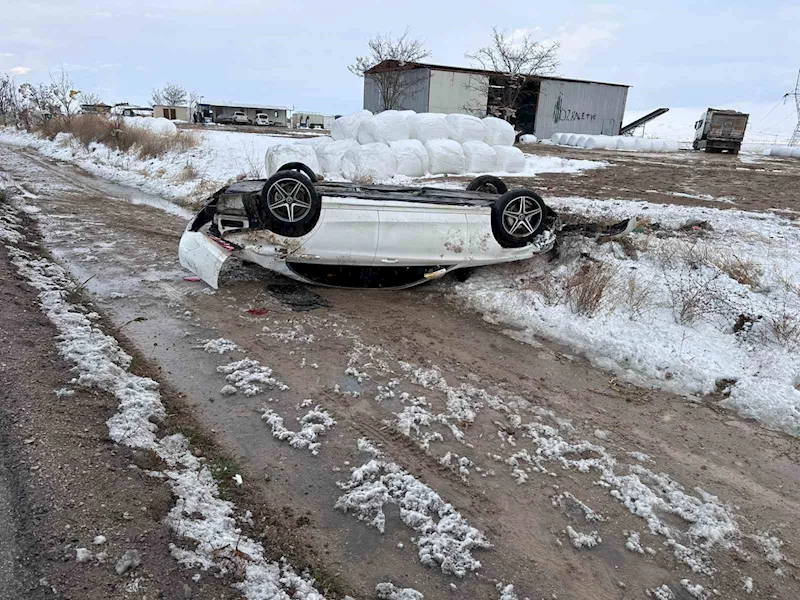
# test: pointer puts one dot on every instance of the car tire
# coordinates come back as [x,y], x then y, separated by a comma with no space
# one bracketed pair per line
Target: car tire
[518,216]
[291,205]
[303,168]
[489,184]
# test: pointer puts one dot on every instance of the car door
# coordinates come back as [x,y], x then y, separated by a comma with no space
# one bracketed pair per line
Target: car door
[346,234]
[412,233]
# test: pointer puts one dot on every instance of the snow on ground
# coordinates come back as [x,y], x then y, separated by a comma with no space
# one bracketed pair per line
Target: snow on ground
[200,519]
[218,160]
[313,424]
[220,157]
[445,538]
[705,310]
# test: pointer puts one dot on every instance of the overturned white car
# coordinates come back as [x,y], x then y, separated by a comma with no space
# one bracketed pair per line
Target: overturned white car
[352,235]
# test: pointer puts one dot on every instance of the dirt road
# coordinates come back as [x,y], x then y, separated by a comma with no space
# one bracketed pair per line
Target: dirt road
[582,487]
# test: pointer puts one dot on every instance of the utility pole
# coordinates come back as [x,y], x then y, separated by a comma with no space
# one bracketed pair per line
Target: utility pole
[795,141]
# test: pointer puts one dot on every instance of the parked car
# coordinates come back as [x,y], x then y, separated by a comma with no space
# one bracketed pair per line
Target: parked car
[240,118]
[224,119]
[262,120]
[352,235]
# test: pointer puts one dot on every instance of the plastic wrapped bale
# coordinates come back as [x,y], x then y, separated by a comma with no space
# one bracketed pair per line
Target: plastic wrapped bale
[346,127]
[556,139]
[386,127]
[581,141]
[796,153]
[369,163]
[427,126]
[465,128]
[315,142]
[498,132]
[626,143]
[158,125]
[479,157]
[509,159]
[279,155]
[411,158]
[643,145]
[670,146]
[657,145]
[610,142]
[595,141]
[572,140]
[785,152]
[446,157]
[330,155]
[528,138]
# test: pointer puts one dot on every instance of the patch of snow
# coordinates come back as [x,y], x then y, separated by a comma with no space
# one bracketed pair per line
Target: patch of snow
[446,539]
[633,543]
[583,540]
[82,555]
[219,346]
[388,591]
[313,424]
[250,377]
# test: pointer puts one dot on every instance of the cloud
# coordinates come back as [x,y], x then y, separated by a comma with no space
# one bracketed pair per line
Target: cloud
[6,54]
[578,44]
[19,70]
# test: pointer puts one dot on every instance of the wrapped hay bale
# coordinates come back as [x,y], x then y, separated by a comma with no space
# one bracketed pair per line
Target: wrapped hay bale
[509,159]
[279,155]
[446,157]
[346,127]
[368,163]
[465,128]
[498,132]
[427,126]
[330,155]
[479,157]
[411,158]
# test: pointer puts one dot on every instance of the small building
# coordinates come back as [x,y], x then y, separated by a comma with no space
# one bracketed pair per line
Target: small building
[101,108]
[276,114]
[311,120]
[126,110]
[173,113]
[545,105]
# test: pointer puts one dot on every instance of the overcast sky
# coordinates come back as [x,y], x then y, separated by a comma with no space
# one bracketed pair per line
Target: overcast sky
[676,54]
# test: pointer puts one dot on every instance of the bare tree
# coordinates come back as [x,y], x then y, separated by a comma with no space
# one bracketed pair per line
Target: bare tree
[397,79]
[89,98]
[170,95]
[9,101]
[36,103]
[516,58]
[64,92]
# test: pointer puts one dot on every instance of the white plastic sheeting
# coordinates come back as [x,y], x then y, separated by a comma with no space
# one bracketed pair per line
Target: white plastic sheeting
[411,158]
[346,127]
[370,162]
[528,138]
[479,157]
[499,132]
[465,128]
[158,125]
[386,127]
[509,159]
[330,154]
[446,157]
[783,151]
[427,126]
[279,155]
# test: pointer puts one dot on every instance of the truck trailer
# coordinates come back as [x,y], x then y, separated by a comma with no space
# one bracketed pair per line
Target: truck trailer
[720,130]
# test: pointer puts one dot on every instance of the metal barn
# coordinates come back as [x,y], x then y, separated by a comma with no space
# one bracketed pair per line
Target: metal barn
[546,105]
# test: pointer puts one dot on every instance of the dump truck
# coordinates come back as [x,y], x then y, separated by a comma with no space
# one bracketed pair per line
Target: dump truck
[720,130]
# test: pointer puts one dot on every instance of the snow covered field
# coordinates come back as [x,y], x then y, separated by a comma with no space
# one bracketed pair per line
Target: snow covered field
[218,160]
[693,310]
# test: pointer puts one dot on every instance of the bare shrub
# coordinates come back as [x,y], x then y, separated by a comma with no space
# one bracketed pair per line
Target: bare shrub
[188,173]
[784,328]
[253,161]
[637,297]
[745,272]
[547,287]
[586,288]
[693,297]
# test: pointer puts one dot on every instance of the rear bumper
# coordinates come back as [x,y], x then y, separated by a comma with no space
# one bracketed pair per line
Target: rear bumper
[203,255]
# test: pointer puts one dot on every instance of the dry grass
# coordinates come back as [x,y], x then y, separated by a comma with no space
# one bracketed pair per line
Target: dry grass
[116,134]
[693,297]
[586,287]
[638,298]
[745,272]
[188,173]
[547,287]
[784,329]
